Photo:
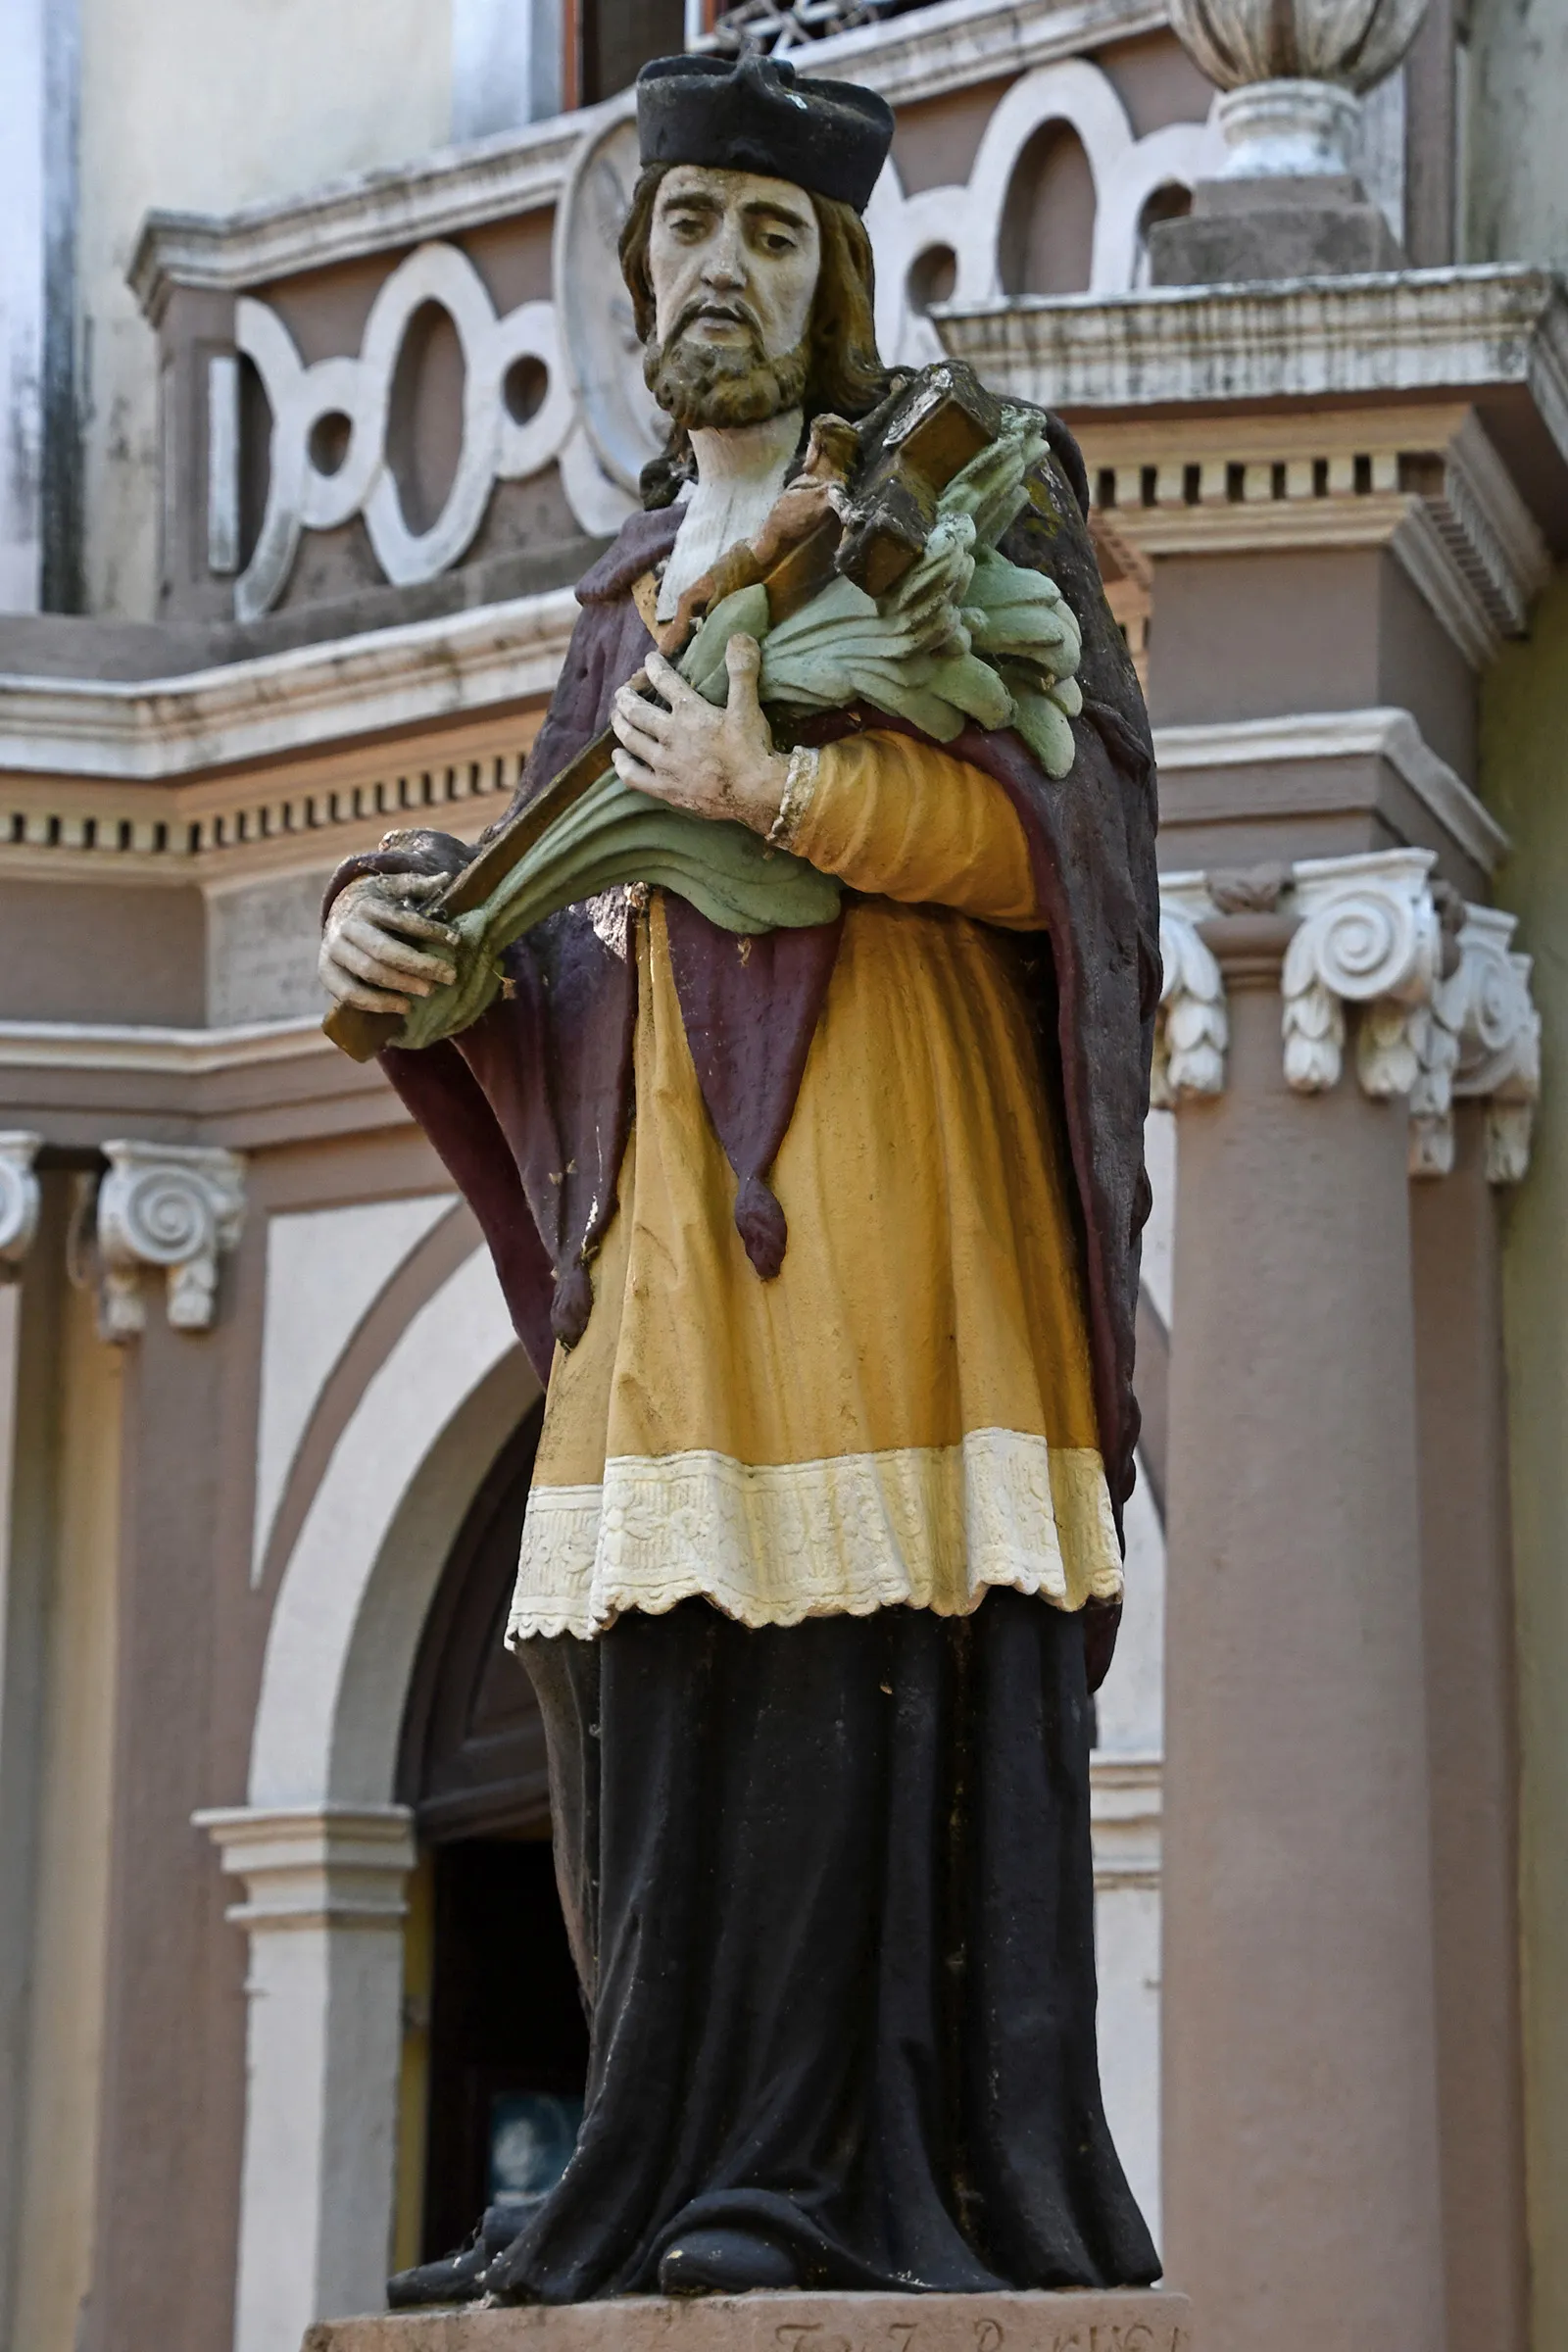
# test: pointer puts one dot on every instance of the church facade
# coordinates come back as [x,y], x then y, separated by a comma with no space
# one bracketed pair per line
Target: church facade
[326,392]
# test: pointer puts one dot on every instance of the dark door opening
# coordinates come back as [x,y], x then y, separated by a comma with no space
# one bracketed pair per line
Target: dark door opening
[507,2047]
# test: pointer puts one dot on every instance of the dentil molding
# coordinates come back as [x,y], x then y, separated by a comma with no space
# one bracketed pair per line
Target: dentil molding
[173,1208]
[18,1199]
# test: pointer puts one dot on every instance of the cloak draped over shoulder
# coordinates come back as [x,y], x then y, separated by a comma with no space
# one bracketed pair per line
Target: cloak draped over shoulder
[535,1102]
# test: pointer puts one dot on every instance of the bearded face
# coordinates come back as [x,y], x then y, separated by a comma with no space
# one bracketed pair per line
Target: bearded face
[733,258]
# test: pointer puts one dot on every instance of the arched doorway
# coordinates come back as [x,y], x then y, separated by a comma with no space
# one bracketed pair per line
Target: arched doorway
[495,2046]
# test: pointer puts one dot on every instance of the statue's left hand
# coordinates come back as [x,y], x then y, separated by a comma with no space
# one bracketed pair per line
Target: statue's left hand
[714,763]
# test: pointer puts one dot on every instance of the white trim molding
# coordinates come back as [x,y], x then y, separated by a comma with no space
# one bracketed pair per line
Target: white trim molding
[1382,732]
[173,1208]
[20,1199]
[1191,1027]
[157,1053]
[314,1865]
[1415,330]
[1125,1809]
[323,1907]
[416,674]
[321,1845]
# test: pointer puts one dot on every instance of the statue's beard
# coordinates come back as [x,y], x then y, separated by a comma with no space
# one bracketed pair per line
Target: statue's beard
[699,383]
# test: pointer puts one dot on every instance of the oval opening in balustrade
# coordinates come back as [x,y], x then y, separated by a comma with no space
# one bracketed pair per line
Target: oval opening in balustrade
[1169,202]
[329,440]
[932,278]
[424,415]
[1046,237]
[524,388]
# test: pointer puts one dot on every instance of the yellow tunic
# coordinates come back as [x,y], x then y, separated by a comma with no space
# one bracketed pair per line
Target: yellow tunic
[904,1413]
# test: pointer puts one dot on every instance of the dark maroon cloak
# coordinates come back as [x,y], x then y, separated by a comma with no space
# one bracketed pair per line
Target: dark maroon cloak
[532,1104]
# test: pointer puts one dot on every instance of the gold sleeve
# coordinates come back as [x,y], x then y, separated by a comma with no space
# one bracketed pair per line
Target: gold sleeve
[902,820]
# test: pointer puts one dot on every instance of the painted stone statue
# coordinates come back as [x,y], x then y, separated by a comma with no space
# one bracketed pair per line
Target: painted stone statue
[807,1141]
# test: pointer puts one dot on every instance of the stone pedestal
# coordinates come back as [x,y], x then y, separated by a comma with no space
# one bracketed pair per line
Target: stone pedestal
[1130,2322]
[1290,226]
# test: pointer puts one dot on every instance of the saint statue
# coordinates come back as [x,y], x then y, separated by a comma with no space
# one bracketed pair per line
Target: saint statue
[826,1233]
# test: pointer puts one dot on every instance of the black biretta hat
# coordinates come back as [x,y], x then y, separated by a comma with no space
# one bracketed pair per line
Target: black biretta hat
[757,114]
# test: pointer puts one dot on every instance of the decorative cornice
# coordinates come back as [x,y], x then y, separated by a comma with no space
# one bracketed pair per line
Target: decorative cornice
[157,1053]
[423,673]
[328,1866]
[20,1200]
[1381,732]
[1418,330]
[1191,1028]
[173,1208]
[1422,479]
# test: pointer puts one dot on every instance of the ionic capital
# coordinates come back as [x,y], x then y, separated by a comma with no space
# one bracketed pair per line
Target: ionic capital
[1485,1008]
[18,1199]
[1443,1000]
[1369,934]
[1191,1027]
[174,1207]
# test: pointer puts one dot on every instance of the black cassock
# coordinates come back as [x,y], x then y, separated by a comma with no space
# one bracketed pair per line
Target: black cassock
[831,1894]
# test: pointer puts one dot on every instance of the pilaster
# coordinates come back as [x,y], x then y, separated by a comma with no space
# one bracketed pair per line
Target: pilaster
[1340,1744]
[1300,2122]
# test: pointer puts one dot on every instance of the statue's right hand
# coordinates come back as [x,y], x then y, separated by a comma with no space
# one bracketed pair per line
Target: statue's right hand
[379,951]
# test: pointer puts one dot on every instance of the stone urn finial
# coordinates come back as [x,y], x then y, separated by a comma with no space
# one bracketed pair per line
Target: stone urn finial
[1293,73]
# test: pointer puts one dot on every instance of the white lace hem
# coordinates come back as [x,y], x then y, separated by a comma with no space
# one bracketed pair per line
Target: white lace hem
[931,1527]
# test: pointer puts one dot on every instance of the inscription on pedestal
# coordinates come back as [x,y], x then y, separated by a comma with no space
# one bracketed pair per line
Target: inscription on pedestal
[1131,2320]
[1060,2332]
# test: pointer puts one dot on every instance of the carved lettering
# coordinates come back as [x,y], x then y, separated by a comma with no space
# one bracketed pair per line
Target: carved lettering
[988,2335]
[1138,2335]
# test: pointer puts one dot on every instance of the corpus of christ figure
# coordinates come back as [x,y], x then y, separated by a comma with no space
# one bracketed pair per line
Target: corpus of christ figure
[825,1234]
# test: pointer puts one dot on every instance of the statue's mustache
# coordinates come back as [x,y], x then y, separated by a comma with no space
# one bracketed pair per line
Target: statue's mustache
[738,313]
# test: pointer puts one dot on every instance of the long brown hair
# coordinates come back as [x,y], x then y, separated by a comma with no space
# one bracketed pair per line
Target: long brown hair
[845,374]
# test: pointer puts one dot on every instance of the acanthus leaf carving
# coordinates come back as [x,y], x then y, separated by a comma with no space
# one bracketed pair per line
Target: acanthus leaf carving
[1436,1049]
[1191,1027]
[1497,1030]
[20,1199]
[170,1206]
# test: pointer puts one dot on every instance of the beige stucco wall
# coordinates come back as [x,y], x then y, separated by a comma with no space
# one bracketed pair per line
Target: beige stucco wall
[1524,774]
[207,104]
[80,1528]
